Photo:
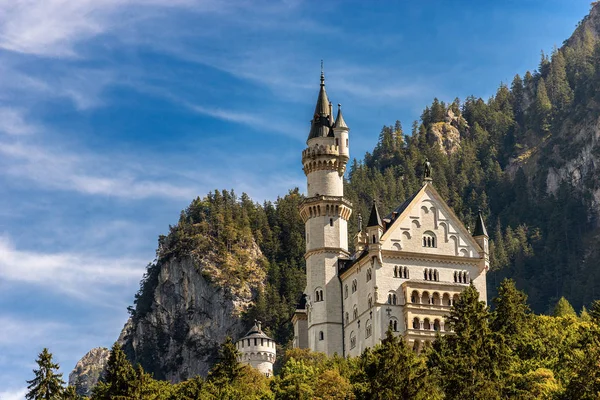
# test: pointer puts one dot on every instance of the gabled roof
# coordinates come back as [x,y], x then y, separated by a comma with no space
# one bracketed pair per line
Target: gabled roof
[480,227]
[415,198]
[374,219]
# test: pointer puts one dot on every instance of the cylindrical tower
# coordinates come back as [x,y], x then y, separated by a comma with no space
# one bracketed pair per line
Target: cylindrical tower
[257,350]
[325,213]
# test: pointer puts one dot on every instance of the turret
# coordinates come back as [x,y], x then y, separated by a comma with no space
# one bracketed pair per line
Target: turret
[340,131]
[481,237]
[374,227]
[257,350]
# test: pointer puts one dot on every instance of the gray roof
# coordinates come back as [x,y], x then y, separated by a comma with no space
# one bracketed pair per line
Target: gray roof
[256,332]
[322,122]
[480,227]
[339,121]
[374,219]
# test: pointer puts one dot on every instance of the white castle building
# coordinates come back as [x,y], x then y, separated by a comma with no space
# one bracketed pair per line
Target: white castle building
[257,350]
[407,269]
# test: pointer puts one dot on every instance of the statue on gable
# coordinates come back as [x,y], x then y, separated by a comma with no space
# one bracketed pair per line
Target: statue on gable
[427,169]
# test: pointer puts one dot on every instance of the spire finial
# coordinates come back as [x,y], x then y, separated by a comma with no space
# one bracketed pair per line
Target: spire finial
[322,74]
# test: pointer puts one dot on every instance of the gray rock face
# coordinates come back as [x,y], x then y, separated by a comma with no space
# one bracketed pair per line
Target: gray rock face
[88,370]
[196,303]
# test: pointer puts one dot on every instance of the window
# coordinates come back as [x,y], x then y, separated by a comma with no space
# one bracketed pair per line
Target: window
[436,325]
[352,340]
[346,142]
[416,323]
[405,272]
[394,324]
[319,295]
[330,221]
[374,240]
[430,274]
[429,239]
[396,271]
[337,141]
[370,301]
[368,328]
[369,274]
[426,324]
[355,312]
[461,277]
[392,298]
[345,291]
[414,297]
[321,335]
[347,318]
[255,341]
[354,285]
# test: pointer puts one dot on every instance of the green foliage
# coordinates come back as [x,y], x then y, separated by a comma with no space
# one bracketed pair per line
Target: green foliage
[563,308]
[47,383]
[119,378]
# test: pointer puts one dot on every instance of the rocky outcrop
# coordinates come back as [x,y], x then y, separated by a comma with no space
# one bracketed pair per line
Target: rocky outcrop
[195,306]
[88,370]
[446,134]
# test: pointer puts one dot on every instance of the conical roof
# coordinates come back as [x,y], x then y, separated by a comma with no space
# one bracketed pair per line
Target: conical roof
[256,332]
[374,219]
[480,227]
[322,121]
[339,121]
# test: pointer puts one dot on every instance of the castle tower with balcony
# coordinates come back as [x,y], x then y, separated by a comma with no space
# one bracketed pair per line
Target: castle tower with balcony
[257,350]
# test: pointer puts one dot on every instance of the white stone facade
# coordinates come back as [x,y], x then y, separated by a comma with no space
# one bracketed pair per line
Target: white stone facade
[407,268]
[257,350]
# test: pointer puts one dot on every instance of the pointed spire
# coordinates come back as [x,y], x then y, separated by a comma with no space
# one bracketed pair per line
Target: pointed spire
[480,227]
[374,219]
[322,121]
[339,121]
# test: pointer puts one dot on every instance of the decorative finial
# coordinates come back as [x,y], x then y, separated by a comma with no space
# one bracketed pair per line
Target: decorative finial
[339,106]
[427,170]
[322,74]
[360,222]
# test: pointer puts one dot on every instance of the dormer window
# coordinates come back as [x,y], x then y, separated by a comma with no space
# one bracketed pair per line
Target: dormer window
[429,239]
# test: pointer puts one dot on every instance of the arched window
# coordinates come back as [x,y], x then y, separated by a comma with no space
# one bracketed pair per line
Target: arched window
[394,324]
[429,239]
[374,240]
[318,295]
[369,274]
[435,300]
[416,323]
[354,285]
[425,298]
[330,221]
[389,298]
[347,318]
[435,275]
[370,301]
[346,291]
[436,325]
[425,275]
[455,276]
[394,299]
[405,272]
[321,335]
[414,297]
[396,271]
[352,340]
[355,312]
[426,324]
[368,328]
[446,300]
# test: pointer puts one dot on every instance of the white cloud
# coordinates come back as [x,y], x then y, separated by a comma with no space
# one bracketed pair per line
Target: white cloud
[87,277]
[17,394]
[84,173]
[12,122]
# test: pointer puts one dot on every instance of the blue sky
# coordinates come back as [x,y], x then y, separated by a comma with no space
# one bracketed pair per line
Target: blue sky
[114,114]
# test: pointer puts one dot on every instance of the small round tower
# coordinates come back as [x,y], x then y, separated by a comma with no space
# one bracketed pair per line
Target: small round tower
[257,350]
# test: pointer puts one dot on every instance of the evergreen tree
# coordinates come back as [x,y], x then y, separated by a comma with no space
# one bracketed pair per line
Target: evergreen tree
[595,312]
[227,369]
[543,107]
[116,382]
[393,371]
[563,309]
[559,91]
[70,394]
[472,362]
[511,314]
[47,383]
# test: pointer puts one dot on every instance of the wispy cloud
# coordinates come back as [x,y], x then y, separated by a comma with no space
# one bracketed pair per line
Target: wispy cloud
[84,173]
[87,277]
[12,122]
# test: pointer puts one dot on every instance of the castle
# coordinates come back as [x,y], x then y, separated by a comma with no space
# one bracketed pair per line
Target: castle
[407,270]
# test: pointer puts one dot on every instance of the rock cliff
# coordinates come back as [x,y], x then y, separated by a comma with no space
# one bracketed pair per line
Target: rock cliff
[88,370]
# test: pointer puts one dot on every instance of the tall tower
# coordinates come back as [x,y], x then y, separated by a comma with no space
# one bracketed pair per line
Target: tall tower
[325,213]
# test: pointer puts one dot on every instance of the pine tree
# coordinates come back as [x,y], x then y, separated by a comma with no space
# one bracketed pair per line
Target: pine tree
[543,107]
[563,308]
[559,91]
[70,394]
[393,371]
[595,312]
[472,362]
[47,383]
[227,369]
[116,383]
